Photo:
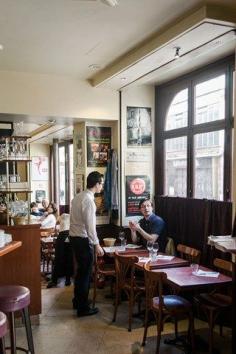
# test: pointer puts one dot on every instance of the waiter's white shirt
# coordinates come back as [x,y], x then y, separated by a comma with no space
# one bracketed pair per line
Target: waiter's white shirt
[83,216]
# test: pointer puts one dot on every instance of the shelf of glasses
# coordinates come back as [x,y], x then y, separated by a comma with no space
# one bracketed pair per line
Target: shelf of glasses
[15,158]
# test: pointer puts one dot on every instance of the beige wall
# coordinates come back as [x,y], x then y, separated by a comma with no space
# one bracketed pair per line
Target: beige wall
[137,96]
[48,95]
[40,150]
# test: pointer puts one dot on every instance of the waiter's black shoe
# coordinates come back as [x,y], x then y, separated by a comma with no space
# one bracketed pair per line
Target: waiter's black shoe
[75,303]
[91,311]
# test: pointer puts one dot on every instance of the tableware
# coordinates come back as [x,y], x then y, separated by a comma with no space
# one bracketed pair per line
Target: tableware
[132,246]
[109,241]
[194,267]
[150,248]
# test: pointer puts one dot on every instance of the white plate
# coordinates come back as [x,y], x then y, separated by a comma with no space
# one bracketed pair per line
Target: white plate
[131,245]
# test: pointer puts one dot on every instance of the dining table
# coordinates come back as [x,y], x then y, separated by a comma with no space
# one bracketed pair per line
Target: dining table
[161,261]
[12,246]
[184,279]
[227,244]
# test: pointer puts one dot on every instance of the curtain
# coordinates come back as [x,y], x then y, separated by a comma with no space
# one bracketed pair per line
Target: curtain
[191,221]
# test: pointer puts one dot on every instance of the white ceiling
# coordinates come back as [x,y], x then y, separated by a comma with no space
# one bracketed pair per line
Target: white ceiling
[65,37]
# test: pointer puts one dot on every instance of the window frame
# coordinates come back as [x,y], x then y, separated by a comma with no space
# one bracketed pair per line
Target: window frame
[165,94]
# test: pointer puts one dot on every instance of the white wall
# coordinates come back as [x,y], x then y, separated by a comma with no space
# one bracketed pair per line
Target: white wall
[138,96]
[50,95]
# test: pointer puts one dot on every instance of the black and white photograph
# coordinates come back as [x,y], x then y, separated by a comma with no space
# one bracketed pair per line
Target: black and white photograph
[139,126]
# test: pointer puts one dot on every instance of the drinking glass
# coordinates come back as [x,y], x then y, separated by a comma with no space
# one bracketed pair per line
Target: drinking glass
[150,248]
[155,249]
[122,240]
[194,267]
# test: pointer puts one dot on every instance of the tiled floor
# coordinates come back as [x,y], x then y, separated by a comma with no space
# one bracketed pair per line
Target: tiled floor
[61,332]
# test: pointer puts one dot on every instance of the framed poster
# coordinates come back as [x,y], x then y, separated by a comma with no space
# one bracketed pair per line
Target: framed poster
[40,168]
[98,146]
[139,126]
[137,188]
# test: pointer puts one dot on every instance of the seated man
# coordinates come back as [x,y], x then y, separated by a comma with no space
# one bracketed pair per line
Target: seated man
[150,228]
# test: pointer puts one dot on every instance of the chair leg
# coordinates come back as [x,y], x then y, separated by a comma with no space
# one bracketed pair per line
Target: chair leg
[211,327]
[131,303]
[2,346]
[159,330]
[191,331]
[29,335]
[145,328]
[117,298]
[12,332]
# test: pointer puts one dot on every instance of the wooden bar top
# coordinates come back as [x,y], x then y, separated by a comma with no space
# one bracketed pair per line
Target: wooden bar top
[10,247]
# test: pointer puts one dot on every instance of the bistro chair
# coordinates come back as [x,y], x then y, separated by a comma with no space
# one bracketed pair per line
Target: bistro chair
[102,270]
[191,254]
[128,283]
[164,306]
[48,232]
[216,304]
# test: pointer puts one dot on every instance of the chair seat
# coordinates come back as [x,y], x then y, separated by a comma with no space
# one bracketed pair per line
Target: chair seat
[173,303]
[216,299]
[13,298]
[3,324]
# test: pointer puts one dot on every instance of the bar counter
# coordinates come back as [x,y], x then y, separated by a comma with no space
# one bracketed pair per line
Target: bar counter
[22,267]
[10,247]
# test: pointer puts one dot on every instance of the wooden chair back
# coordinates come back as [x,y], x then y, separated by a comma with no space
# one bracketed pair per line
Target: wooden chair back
[125,268]
[223,266]
[153,286]
[47,232]
[191,254]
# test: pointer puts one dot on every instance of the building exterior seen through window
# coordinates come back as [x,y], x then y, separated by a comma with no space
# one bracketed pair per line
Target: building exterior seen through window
[194,136]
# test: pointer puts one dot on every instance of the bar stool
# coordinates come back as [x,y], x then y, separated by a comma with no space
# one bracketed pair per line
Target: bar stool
[17,298]
[3,331]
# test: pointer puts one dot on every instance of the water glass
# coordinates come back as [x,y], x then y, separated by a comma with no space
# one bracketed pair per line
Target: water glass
[150,248]
[194,267]
[155,249]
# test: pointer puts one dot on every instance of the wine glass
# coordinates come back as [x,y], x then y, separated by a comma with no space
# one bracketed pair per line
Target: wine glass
[122,239]
[150,248]
[155,249]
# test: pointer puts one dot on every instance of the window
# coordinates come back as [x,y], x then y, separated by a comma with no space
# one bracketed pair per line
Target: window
[66,184]
[194,132]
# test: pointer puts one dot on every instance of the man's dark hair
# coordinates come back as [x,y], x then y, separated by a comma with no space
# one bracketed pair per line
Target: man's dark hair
[33,204]
[144,200]
[94,178]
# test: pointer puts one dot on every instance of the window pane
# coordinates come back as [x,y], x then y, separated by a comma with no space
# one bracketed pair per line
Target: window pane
[71,172]
[176,167]
[210,100]
[177,116]
[62,177]
[209,165]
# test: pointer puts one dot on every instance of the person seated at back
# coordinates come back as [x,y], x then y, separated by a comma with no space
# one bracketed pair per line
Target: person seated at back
[63,263]
[49,219]
[150,228]
[45,204]
[34,210]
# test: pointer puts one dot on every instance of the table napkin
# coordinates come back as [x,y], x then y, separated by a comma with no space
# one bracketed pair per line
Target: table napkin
[112,249]
[164,257]
[143,259]
[205,273]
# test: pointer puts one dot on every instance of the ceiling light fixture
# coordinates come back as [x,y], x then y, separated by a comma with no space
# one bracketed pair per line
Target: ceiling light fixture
[1,47]
[110,2]
[94,67]
[177,55]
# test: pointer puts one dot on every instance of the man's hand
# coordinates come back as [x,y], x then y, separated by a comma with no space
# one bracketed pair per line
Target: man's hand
[99,251]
